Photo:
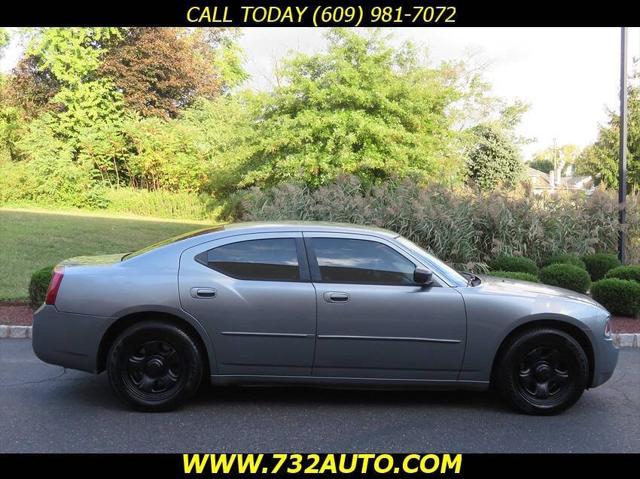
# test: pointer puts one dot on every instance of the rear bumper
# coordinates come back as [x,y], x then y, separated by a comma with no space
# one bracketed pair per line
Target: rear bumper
[605,362]
[67,339]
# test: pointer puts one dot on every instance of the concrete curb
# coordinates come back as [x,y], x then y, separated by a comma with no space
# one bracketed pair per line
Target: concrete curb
[15,332]
[622,340]
[626,340]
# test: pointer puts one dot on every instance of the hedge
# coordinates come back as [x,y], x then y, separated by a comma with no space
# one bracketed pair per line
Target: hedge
[619,296]
[631,273]
[515,264]
[567,258]
[599,264]
[38,286]
[515,275]
[566,276]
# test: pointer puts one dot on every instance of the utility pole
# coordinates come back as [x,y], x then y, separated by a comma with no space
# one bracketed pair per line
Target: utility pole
[622,173]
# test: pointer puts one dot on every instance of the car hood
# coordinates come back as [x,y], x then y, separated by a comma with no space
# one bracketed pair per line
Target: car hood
[512,287]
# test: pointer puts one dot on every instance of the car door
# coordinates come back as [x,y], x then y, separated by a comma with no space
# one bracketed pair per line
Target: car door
[373,320]
[253,295]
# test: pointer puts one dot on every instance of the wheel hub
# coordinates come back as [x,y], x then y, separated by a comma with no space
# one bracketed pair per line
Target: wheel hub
[155,367]
[543,371]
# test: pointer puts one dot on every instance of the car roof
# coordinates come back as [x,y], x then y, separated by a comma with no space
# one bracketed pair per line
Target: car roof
[203,235]
[315,226]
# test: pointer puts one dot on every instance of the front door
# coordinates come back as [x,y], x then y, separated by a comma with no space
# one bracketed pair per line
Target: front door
[253,295]
[374,321]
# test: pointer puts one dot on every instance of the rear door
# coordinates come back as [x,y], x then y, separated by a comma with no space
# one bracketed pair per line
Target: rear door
[253,295]
[373,320]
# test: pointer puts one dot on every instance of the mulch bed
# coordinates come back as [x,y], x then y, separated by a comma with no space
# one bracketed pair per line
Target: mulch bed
[19,313]
[625,325]
[15,313]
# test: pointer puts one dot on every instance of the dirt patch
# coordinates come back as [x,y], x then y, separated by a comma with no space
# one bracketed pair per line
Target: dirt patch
[16,313]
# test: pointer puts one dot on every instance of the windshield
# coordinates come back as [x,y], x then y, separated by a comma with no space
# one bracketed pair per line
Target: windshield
[438,267]
[173,239]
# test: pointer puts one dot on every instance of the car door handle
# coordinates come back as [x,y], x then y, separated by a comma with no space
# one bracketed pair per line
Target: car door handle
[336,297]
[203,293]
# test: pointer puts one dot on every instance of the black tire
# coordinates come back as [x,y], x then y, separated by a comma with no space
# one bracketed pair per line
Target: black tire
[154,366]
[542,371]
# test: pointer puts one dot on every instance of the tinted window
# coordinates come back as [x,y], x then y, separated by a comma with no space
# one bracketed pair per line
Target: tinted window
[266,259]
[360,261]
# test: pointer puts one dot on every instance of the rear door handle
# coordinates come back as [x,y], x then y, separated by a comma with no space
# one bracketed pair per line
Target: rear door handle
[336,297]
[203,293]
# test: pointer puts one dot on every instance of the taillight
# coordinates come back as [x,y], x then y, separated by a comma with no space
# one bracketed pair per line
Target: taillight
[54,285]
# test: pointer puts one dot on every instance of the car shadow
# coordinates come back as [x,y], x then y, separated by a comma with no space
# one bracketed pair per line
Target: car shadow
[302,396]
[94,391]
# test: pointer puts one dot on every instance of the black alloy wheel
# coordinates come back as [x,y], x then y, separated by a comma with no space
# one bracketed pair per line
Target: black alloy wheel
[154,366]
[542,371]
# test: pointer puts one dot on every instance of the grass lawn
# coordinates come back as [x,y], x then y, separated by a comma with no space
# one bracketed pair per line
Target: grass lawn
[32,240]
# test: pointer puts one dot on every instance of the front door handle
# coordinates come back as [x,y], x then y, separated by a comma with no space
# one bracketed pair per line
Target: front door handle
[336,297]
[203,293]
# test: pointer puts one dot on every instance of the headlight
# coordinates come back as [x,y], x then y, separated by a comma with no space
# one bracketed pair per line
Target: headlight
[607,327]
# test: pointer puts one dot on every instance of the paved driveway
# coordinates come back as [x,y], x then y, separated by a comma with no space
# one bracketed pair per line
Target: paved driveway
[47,409]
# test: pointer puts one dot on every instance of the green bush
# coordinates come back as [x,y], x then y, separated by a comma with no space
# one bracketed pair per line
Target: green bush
[619,296]
[515,275]
[566,276]
[631,273]
[599,263]
[38,286]
[567,258]
[516,264]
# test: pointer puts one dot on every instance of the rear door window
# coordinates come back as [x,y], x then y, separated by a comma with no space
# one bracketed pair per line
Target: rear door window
[274,259]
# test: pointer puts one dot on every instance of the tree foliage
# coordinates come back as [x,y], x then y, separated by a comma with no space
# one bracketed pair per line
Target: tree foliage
[160,71]
[362,108]
[492,158]
[600,159]
[90,110]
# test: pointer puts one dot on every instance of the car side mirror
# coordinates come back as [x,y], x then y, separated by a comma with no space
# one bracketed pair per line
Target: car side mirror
[423,276]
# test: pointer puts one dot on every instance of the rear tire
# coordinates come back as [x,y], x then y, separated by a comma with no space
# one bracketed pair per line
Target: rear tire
[154,366]
[542,371]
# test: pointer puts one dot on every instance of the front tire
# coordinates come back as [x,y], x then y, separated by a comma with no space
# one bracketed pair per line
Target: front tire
[154,366]
[542,371]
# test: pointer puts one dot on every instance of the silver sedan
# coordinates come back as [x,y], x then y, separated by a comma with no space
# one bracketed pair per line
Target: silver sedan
[316,304]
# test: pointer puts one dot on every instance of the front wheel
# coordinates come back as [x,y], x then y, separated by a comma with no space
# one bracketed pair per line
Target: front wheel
[542,371]
[154,366]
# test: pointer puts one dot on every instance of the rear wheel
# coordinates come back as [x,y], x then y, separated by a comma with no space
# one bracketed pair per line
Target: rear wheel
[542,371]
[154,366]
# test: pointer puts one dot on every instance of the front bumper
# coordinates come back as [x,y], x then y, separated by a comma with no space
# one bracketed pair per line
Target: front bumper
[67,339]
[606,359]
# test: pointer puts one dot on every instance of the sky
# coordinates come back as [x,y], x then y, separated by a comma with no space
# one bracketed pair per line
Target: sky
[568,76]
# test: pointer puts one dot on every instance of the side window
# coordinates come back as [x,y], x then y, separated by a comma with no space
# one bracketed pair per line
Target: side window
[361,261]
[264,259]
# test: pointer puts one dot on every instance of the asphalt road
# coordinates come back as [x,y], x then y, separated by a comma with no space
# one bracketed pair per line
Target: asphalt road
[47,409]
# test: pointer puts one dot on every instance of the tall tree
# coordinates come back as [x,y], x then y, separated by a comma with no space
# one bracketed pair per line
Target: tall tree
[162,70]
[601,159]
[493,159]
[362,107]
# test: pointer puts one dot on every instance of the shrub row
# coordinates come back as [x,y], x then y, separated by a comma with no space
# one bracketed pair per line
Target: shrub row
[619,296]
[566,276]
[515,275]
